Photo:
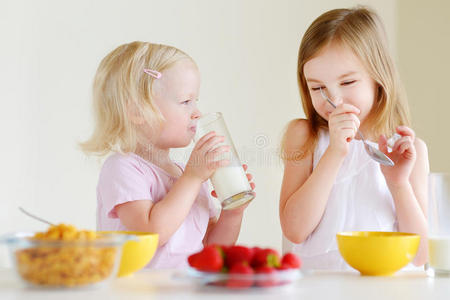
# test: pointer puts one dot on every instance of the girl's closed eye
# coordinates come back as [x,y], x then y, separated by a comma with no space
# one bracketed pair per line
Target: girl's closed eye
[189,101]
[317,88]
[348,82]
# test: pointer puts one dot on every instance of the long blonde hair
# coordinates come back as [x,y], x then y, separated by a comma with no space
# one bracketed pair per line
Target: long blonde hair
[120,84]
[361,30]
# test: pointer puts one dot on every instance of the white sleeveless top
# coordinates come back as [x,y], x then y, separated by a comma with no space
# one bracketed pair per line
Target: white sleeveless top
[359,201]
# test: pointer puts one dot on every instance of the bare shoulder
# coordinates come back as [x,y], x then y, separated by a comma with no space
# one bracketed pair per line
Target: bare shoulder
[297,133]
[297,164]
[296,136]
[422,162]
[419,175]
[422,167]
[421,147]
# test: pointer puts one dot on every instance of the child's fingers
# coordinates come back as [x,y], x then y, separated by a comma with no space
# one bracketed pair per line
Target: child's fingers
[345,118]
[345,108]
[400,142]
[355,120]
[404,147]
[219,164]
[404,144]
[213,154]
[407,150]
[382,144]
[406,131]
[349,124]
[203,139]
[211,142]
[347,133]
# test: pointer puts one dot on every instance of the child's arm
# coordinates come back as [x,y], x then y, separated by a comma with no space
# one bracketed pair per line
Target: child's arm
[225,230]
[304,192]
[165,216]
[408,182]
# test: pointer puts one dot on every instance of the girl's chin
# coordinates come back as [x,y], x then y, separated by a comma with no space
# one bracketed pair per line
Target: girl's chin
[182,144]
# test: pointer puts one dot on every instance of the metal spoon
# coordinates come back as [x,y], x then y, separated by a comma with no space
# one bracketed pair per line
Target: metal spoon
[35,217]
[373,152]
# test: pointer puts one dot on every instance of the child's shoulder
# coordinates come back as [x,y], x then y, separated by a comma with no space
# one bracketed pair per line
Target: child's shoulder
[297,133]
[420,145]
[422,153]
[120,158]
[122,162]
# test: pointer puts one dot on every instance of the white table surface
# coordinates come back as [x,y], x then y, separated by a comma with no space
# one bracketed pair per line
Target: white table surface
[152,284]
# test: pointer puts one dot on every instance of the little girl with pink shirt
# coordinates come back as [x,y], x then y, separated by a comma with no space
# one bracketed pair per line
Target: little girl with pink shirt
[145,103]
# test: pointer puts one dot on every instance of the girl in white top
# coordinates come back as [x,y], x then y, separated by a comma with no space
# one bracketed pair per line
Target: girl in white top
[330,183]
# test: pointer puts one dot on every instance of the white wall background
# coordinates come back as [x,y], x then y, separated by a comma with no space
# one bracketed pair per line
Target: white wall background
[423,47]
[49,51]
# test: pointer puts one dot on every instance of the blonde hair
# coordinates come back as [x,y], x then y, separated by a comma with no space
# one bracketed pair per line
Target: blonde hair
[360,29]
[121,84]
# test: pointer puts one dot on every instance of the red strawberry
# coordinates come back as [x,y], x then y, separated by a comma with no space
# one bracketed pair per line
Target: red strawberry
[256,249]
[240,276]
[266,257]
[210,259]
[269,276]
[284,266]
[292,260]
[238,254]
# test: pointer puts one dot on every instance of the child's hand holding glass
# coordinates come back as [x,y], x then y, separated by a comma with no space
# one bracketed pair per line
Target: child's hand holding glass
[203,160]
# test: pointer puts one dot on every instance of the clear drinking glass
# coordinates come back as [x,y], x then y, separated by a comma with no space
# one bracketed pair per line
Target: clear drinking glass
[439,225]
[229,182]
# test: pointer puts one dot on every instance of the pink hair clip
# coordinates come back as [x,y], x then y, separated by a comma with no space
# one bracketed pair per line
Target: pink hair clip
[153,73]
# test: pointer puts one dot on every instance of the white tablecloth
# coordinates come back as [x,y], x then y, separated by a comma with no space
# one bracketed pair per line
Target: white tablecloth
[152,284]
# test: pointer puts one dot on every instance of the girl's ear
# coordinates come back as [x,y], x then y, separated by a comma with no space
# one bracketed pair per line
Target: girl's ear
[134,113]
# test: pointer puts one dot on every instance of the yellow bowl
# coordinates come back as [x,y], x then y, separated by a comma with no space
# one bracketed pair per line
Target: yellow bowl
[377,253]
[136,254]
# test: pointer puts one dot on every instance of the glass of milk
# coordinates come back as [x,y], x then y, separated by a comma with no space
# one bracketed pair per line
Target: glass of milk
[229,182]
[439,225]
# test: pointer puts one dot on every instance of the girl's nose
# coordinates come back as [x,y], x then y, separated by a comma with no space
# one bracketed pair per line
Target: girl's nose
[196,114]
[338,100]
[335,97]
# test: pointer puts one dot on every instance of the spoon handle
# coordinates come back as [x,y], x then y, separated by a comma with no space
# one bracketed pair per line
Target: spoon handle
[35,217]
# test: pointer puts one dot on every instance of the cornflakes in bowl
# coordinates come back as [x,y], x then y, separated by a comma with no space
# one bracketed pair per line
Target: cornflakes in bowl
[65,257]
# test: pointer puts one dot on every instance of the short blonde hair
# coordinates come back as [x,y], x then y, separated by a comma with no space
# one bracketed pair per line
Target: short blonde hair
[361,30]
[120,83]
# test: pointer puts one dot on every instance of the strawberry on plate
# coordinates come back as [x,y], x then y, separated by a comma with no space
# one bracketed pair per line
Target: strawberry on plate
[240,276]
[267,276]
[210,259]
[240,267]
[265,257]
[238,254]
[291,260]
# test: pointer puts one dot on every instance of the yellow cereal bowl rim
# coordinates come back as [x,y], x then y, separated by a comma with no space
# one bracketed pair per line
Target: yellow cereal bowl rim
[26,239]
[376,234]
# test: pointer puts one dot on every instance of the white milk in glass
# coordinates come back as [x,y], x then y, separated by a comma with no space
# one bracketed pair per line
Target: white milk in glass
[229,182]
[439,254]
[439,225]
